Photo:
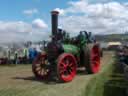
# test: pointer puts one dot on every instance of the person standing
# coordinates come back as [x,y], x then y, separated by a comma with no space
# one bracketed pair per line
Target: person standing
[32,54]
[9,56]
[25,55]
[16,57]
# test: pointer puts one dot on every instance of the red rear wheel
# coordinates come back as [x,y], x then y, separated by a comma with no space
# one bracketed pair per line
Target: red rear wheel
[39,67]
[92,58]
[66,67]
[95,59]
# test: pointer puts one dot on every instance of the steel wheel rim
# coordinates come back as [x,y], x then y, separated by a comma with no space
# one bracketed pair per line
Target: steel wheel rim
[67,68]
[95,59]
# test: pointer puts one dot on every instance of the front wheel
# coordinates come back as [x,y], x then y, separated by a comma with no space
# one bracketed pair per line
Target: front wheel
[40,67]
[66,67]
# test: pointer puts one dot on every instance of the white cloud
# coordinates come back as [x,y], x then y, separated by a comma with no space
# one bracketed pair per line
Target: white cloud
[100,18]
[61,11]
[30,11]
[20,26]
[39,23]
[15,31]
[78,6]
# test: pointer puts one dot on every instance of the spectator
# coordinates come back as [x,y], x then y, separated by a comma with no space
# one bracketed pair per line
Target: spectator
[9,56]
[32,54]
[25,55]
[16,57]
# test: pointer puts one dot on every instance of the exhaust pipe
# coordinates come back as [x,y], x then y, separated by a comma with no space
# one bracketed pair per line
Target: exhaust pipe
[54,22]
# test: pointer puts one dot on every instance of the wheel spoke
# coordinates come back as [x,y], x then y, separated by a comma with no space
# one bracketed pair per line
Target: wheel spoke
[38,68]
[72,68]
[45,71]
[37,65]
[39,72]
[42,72]
[67,61]
[62,71]
[70,71]
[64,65]
[42,62]
[70,65]
[62,68]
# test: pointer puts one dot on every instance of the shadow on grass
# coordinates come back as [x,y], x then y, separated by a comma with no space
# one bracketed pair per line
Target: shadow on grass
[49,80]
[32,78]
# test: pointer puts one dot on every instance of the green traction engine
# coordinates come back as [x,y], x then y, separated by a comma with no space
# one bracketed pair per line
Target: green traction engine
[63,55]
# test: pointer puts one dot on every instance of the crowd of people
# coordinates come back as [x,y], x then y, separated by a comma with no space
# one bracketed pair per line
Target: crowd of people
[24,55]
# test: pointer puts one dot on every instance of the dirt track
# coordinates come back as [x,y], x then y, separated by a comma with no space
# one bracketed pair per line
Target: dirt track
[19,81]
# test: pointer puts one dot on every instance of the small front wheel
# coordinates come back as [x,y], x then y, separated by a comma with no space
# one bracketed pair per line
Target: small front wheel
[39,67]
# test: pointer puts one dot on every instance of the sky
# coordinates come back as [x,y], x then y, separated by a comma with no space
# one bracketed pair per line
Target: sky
[23,20]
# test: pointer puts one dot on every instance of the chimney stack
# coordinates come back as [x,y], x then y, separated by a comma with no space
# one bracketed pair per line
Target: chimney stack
[54,22]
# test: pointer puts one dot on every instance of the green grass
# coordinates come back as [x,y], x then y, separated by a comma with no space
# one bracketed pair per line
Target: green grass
[35,91]
[18,80]
[96,84]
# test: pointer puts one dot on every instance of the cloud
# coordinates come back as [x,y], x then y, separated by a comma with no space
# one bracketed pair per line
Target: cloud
[18,26]
[30,11]
[61,11]
[100,18]
[39,23]
[16,31]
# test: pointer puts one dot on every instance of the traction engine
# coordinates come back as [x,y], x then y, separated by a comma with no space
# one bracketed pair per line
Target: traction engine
[63,55]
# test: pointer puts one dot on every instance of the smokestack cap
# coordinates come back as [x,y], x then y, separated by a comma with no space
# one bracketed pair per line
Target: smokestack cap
[55,12]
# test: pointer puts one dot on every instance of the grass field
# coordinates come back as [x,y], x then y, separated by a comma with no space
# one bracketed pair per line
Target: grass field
[99,81]
[19,81]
